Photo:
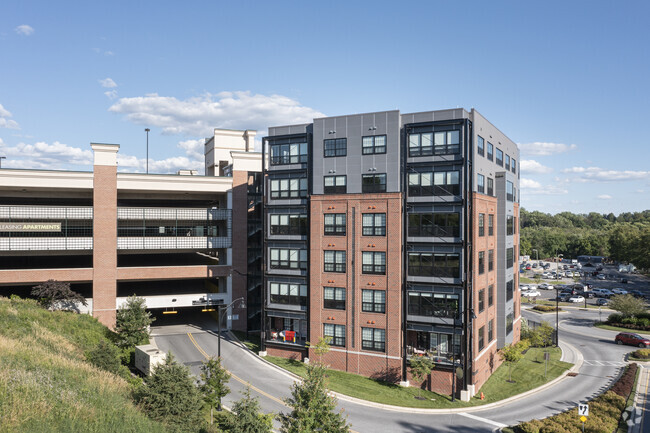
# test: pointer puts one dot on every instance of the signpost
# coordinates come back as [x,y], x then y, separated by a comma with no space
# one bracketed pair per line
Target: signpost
[583,411]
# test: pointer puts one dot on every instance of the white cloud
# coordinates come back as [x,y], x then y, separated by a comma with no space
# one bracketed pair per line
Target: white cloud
[24,30]
[604,197]
[596,174]
[5,122]
[198,116]
[109,53]
[530,166]
[108,83]
[640,191]
[544,149]
[533,187]
[112,94]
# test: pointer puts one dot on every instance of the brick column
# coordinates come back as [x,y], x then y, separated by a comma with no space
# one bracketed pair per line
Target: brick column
[105,232]
[240,245]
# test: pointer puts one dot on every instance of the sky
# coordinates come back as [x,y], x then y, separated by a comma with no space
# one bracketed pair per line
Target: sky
[569,82]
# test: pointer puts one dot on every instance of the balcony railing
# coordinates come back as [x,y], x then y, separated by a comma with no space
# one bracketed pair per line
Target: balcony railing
[46,244]
[22,213]
[172,243]
[174,214]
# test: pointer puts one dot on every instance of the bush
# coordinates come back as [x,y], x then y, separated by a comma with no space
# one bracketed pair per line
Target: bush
[545,308]
[641,354]
[105,356]
[624,385]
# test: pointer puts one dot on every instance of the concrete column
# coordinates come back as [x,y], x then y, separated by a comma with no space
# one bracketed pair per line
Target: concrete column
[105,232]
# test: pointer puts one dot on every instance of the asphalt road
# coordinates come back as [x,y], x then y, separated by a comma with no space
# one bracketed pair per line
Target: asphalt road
[602,362]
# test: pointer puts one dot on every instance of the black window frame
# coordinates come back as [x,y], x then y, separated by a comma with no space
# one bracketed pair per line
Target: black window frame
[510,225]
[299,229]
[481,224]
[373,268]
[282,194]
[490,260]
[431,304]
[375,344]
[286,159]
[288,299]
[481,262]
[481,338]
[480,145]
[507,166]
[490,151]
[336,228]
[497,160]
[300,264]
[509,257]
[376,302]
[335,189]
[510,289]
[373,229]
[373,183]
[490,186]
[338,265]
[480,183]
[490,331]
[513,168]
[433,189]
[509,191]
[509,323]
[490,295]
[333,147]
[336,340]
[425,224]
[431,266]
[336,302]
[491,224]
[373,149]
[481,300]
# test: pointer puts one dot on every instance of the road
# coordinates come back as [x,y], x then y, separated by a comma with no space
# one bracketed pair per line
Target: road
[602,363]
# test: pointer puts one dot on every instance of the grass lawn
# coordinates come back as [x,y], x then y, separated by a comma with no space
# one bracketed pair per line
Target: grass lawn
[526,375]
[619,329]
[252,342]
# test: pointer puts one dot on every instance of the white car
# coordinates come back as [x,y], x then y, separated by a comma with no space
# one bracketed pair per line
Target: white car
[619,291]
[600,276]
[545,286]
[576,299]
[531,293]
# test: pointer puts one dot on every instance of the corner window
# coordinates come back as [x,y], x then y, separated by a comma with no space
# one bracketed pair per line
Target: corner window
[490,154]
[294,153]
[480,145]
[373,301]
[334,298]
[334,224]
[374,224]
[373,183]
[373,339]
[480,183]
[374,263]
[335,147]
[373,145]
[334,261]
[336,334]
[335,184]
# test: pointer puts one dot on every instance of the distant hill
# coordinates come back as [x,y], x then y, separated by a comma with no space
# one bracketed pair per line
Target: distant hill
[45,383]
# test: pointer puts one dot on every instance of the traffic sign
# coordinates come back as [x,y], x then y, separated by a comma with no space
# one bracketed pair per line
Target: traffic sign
[583,409]
[583,418]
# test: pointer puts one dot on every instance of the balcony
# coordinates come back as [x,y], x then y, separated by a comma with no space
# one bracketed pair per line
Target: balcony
[173,243]
[174,214]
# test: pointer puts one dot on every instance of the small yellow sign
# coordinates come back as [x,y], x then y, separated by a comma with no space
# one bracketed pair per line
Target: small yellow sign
[583,418]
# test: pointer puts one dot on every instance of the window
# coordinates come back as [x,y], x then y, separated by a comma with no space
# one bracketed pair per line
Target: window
[481,338]
[481,224]
[480,183]
[434,265]
[507,162]
[509,323]
[374,224]
[433,304]
[335,224]
[514,165]
[295,153]
[481,262]
[490,225]
[335,147]
[334,298]
[373,301]
[289,188]
[490,151]
[336,334]
[373,183]
[334,261]
[434,224]
[335,185]
[376,144]
[289,224]
[481,300]
[509,257]
[490,295]
[292,294]
[374,263]
[490,330]
[373,339]
[490,187]
[438,183]
[490,260]
[510,225]
[434,143]
[509,289]
[499,158]
[285,258]
[509,191]
[480,145]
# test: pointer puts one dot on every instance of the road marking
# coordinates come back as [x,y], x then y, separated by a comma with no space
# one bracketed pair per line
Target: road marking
[595,363]
[485,420]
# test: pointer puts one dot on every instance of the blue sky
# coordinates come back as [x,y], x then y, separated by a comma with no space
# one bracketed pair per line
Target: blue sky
[567,81]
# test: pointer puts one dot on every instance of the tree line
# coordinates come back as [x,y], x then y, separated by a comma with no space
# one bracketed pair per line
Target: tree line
[622,238]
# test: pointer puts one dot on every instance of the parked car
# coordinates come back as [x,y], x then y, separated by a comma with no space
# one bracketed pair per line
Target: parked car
[528,267]
[632,339]
[564,297]
[531,293]
[587,295]
[602,293]
[602,301]
[545,286]
[619,291]
[600,276]
[637,293]
[576,299]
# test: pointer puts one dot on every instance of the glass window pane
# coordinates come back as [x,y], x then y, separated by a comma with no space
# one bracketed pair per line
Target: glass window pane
[414,140]
[439,138]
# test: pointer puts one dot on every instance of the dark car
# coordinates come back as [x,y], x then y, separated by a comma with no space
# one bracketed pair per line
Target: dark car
[632,339]
[637,293]
[602,301]
[624,280]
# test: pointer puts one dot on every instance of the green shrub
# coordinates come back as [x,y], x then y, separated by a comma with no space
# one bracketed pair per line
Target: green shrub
[544,308]
[106,356]
[641,354]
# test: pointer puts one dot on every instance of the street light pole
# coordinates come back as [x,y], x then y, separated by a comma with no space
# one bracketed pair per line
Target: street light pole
[147,131]
[557,300]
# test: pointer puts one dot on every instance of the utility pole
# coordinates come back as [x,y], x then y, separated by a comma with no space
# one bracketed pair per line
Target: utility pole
[147,131]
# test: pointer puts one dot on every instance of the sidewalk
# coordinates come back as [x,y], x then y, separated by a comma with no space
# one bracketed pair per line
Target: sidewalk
[637,411]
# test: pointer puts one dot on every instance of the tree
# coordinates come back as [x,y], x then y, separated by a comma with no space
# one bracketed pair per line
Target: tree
[542,336]
[170,396]
[213,384]
[627,305]
[57,295]
[421,367]
[132,324]
[512,353]
[105,356]
[312,408]
[321,348]
[248,417]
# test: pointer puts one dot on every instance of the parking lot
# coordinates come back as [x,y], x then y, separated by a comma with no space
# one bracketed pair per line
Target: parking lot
[608,278]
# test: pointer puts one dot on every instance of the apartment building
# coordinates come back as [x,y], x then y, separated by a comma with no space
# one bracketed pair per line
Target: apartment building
[394,236]
[183,242]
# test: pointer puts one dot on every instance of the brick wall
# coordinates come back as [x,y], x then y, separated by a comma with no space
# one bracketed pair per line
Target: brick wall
[239,243]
